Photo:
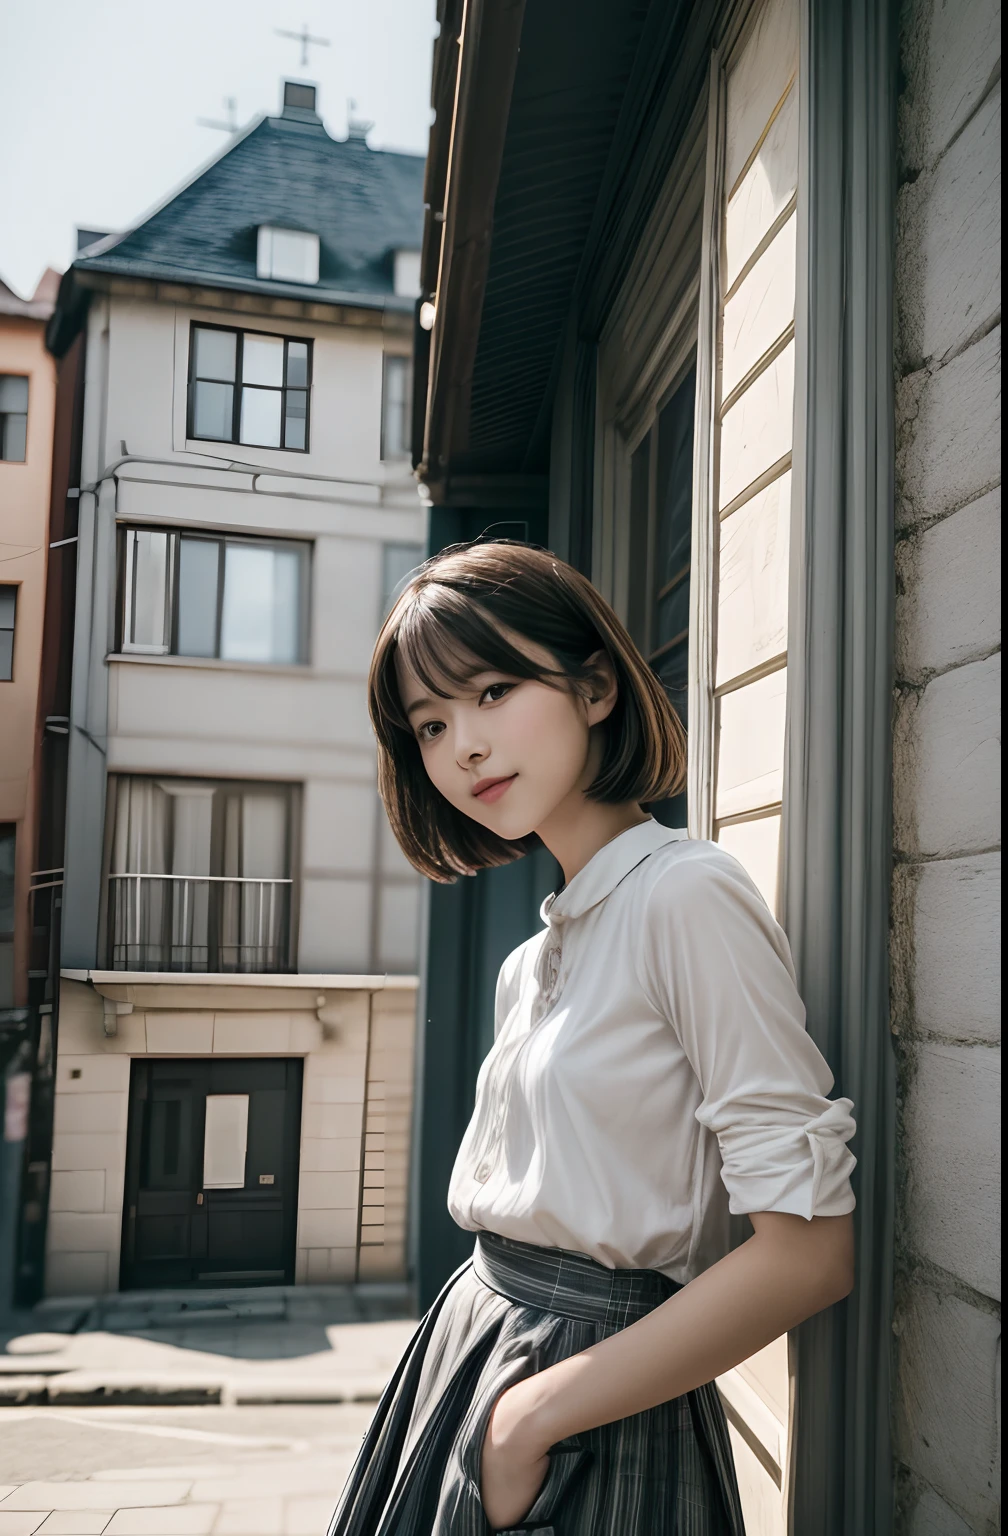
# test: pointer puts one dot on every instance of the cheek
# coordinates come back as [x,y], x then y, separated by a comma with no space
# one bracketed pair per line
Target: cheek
[551,726]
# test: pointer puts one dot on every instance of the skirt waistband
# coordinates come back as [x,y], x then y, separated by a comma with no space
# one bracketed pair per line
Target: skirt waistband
[568,1284]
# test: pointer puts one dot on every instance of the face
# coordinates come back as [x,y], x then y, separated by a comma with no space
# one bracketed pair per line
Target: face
[509,752]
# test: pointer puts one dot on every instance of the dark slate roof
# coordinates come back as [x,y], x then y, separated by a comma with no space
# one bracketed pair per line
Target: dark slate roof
[287,171]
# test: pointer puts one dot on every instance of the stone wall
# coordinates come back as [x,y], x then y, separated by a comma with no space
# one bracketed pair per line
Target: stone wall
[947,828]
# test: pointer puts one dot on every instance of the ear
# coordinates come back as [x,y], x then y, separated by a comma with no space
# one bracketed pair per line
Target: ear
[602,689]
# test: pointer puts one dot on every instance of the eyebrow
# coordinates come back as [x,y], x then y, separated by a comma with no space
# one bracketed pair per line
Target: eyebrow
[423,703]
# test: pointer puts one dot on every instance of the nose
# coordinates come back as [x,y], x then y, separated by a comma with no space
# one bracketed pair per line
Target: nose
[471,746]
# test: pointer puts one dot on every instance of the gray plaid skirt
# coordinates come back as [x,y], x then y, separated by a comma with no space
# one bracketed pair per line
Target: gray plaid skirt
[514,1309]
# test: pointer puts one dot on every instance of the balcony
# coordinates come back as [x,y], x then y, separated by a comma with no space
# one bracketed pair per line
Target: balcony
[201,923]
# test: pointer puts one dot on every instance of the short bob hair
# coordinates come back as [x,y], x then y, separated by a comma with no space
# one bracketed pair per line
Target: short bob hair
[448,624]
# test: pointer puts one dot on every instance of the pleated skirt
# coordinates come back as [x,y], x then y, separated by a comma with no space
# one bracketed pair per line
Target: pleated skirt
[512,1310]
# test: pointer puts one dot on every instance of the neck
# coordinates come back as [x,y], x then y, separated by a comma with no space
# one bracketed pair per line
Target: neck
[579,827]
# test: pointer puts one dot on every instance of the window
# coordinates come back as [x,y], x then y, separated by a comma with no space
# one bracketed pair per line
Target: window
[6,916]
[397,407]
[661,498]
[8,607]
[199,875]
[13,417]
[398,562]
[406,274]
[196,594]
[246,387]
[289,255]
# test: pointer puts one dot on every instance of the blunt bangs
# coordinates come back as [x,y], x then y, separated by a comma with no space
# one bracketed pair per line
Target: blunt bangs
[451,622]
[446,637]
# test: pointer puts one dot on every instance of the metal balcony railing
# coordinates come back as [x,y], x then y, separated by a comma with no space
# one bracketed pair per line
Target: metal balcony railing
[198,923]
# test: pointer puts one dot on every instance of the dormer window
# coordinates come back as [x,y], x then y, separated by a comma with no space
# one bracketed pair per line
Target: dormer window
[287,255]
[406,274]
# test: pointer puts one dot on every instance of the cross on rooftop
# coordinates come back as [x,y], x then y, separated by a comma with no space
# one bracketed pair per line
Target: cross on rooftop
[305,38]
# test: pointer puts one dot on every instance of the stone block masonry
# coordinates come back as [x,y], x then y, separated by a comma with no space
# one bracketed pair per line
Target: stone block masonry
[946,981]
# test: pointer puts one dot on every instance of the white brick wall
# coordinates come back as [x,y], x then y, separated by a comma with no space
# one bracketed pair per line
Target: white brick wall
[946,766]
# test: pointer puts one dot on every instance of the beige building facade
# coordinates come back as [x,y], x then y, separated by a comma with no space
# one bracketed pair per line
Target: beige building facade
[27,409]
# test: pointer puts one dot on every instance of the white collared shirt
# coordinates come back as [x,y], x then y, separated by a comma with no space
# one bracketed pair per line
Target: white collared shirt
[651,1071]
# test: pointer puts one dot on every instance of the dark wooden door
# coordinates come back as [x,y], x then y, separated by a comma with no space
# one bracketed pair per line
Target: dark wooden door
[185,1225]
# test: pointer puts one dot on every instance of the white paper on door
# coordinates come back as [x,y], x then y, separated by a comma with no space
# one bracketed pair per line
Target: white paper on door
[225,1140]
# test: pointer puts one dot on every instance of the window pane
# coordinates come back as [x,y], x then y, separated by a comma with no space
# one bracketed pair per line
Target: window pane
[262,360]
[264,836]
[197,599]
[212,411]
[8,603]
[13,392]
[147,569]
[640,467]
[395,432]
[260,417]
[215,355]
[6,655]
[286,605]
[13,438]
[398,561]
[296,419]
[261,604]
[297,363]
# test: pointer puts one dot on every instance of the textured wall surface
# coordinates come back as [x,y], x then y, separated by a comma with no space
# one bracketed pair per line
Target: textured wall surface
[947,763]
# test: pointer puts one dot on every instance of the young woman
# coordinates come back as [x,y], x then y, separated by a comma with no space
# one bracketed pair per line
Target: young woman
[650,1074]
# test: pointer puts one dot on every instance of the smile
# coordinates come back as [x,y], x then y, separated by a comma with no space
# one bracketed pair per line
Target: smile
[489,790]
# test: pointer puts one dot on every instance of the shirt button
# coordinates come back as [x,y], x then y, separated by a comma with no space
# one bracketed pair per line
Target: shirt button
[483,1172]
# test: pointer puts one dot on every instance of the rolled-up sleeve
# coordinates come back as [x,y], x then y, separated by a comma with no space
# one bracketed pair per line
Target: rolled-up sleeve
[719,966]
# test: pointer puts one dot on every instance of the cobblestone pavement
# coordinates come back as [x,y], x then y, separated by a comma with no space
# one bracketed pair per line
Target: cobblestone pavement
[214,1471]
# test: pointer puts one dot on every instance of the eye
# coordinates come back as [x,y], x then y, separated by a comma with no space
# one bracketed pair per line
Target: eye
[495,693]
[430,730]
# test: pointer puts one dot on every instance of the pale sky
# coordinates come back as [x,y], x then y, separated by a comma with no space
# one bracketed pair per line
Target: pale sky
[99,99]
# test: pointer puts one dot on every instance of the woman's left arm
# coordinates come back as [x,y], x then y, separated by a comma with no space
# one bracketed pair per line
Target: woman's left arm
[789,1269]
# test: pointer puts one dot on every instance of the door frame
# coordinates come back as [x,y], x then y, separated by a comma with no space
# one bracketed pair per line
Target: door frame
[141,1065]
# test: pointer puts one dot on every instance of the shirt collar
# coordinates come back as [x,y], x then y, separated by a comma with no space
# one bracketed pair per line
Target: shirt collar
[605,869]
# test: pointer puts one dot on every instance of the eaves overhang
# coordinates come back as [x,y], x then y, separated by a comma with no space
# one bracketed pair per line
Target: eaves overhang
[207,290]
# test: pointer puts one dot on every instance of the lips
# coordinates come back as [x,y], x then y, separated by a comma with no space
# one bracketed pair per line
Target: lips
[489,790]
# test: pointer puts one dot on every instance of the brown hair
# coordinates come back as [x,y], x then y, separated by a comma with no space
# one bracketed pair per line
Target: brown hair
[448,624]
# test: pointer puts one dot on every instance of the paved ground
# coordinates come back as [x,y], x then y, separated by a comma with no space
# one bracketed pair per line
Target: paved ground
[191,1414]
[268,1471]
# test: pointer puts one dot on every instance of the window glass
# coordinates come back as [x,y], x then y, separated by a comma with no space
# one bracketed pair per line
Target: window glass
[260,615]
[295,418]
[148,616]
[215,354]
[673,520]
[8,605]
[262,360]
[272,377]
[297,364]
[398,560]
[213,407]
[260,418]
[13,417]
[396,408]
[197,599]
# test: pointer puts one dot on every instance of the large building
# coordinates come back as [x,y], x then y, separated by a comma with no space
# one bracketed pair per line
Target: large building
[717,300]
[27,410]
[241,934]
